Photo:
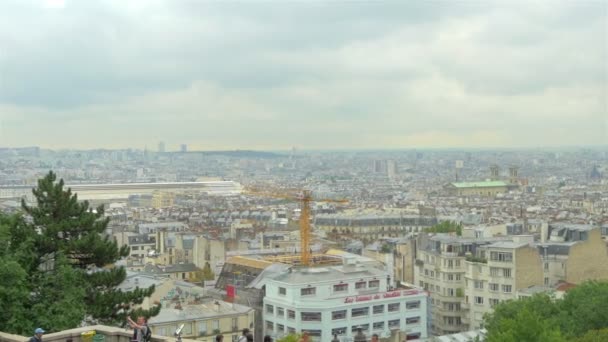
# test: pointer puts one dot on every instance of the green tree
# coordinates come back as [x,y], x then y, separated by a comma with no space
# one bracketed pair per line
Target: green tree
[446,227]
[582,313]
[594,336]
[290,338]
[14,294]
[207,272]
[59,266]
[525,325]
[584,308]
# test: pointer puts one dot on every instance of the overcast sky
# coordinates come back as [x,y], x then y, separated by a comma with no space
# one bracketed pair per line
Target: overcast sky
[311,74]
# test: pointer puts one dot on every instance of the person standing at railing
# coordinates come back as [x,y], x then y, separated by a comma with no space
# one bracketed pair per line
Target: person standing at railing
[37,335]
[140,329]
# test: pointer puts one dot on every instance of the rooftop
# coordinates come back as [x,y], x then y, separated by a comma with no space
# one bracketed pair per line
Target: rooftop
[211,308]
[332,273]
[484,184]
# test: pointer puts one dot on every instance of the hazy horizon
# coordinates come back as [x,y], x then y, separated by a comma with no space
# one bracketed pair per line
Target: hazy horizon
[319,75]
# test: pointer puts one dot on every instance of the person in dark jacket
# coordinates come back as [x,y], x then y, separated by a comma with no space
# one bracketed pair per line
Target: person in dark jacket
[219,338]
[267,338]
[37,335]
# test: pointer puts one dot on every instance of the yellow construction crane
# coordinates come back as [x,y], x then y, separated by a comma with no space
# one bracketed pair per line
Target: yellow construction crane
[304,197]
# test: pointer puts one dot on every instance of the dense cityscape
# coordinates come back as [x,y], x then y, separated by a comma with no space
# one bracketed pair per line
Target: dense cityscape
[407,245]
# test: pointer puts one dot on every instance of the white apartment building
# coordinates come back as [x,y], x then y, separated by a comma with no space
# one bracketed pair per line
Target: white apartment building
[324,301]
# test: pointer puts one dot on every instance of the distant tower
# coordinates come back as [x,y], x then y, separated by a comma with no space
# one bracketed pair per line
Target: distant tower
[494,172]
[380,166]
[161,147]
[513,177]
[184,148]
[391,169]
[458,166]
[595,173]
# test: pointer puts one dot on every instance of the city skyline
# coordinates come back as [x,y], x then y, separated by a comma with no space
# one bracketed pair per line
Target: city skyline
[267,75]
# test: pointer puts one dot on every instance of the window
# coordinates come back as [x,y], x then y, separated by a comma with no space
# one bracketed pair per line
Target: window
[479,300]
[358,312]
[457,263]
[494,271]
[412,305]
[393,307]
[338,331]
[312,333]
[338,315]
[506,288]
[282,291]
[202,328]
[493,302]
[291,330]
[216,324]
[546,266]
[479,285]
[340,287]
[269,326]
[291,314]
[311,316]
[412,320]
[506,272]
[378,326]
[458,277]
[235,324]
[280,328]
[280,312]
[501,256]
[355,328]
[493,287]
[269,309]
[309,291]
[374,283]
[378,309]
[360,285]
[394,324]
[546,281]
[451,292]
[413,336]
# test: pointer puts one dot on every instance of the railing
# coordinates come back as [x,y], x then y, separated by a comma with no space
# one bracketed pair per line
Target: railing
[111,334]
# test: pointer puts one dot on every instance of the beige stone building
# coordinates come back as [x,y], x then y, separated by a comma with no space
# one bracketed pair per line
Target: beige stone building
[574,254]
[483,189]
[405,257]
[440,269]
[496,274]
[370,225]
[466,277]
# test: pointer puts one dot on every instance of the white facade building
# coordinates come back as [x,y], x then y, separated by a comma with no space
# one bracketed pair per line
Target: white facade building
[324,301]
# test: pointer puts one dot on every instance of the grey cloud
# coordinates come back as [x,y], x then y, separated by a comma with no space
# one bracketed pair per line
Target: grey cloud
[233,72]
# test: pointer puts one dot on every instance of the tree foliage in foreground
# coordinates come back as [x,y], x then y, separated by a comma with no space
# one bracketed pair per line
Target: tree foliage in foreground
[582,315]
[54,266]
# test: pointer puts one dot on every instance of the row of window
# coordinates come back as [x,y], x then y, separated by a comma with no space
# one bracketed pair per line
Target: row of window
[342,314]
[311,291]
[447,276]
[492,301]
[498,272]
[377,326]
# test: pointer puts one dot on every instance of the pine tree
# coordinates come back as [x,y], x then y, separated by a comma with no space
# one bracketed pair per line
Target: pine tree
[70,231]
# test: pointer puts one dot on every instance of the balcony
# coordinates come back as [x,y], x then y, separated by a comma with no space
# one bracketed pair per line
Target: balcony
[110,334]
